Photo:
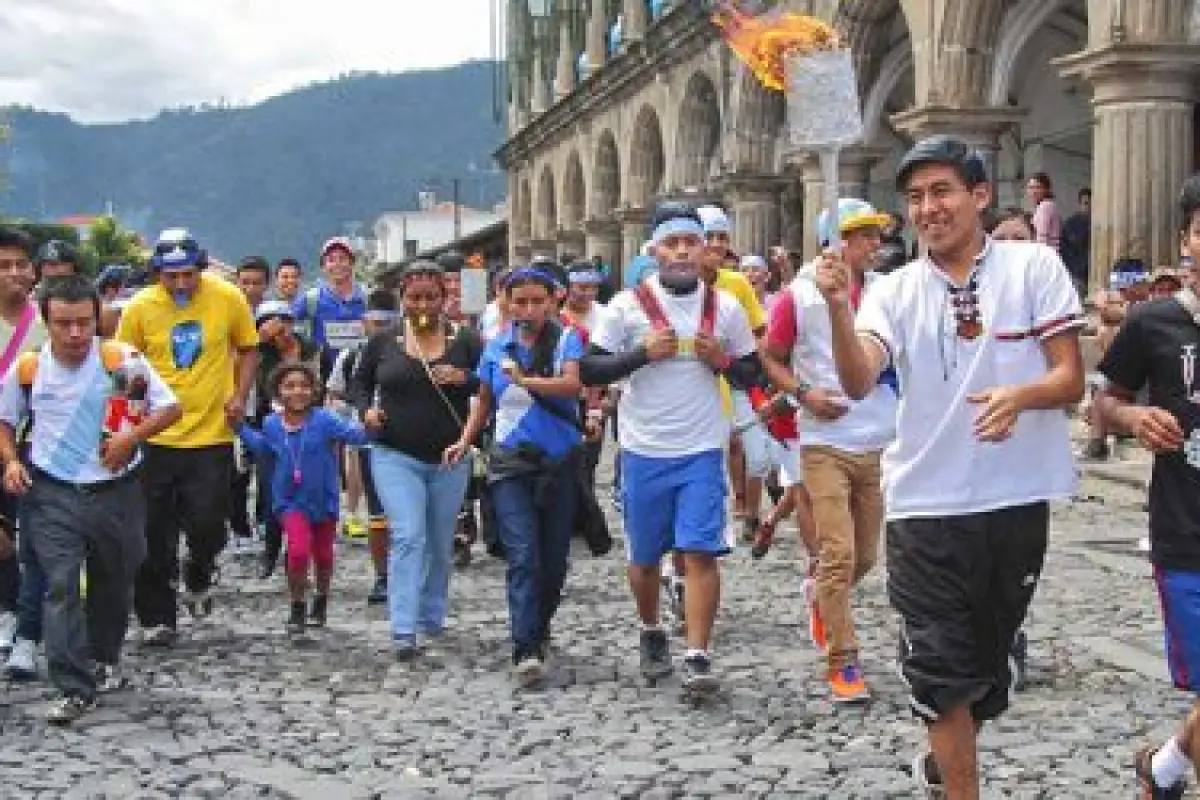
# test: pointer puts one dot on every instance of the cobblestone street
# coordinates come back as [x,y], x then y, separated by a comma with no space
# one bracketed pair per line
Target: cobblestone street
[238,711]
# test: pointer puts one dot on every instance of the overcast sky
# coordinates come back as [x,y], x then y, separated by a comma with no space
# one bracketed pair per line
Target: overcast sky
[105,60]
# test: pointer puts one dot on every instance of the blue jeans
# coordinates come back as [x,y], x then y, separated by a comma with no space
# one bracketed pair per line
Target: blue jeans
[421,502]
[34,585]
[537,541]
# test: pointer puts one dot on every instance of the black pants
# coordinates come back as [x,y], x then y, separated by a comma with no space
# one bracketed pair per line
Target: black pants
[239,496]
[10,570]
[962,585]
[186,489]
[102,529]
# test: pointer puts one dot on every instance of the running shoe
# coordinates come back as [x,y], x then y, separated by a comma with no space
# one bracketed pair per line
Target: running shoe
[318,615]
[925,775]
[698,677]
[655,652]
[379,592]
[1147,788]
[764,535]
[296,620]
[528,667]
[22,660]
[68,708]
[846,685]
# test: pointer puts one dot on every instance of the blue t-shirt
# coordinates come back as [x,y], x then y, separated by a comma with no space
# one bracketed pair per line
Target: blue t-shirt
[519,418]
[306,454]
[333,323]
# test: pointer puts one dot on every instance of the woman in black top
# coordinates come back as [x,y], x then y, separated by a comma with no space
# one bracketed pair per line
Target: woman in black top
[413,386]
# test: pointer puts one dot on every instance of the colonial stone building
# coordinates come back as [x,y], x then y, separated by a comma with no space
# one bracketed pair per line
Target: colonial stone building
[615,104]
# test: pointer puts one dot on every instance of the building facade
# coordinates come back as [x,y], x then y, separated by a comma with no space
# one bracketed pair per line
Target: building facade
[617,104]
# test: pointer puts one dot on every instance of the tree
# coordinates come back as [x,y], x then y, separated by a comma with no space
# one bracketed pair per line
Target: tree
[109,243]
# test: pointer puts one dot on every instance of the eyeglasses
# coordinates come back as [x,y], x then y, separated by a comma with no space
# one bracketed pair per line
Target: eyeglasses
[167,248]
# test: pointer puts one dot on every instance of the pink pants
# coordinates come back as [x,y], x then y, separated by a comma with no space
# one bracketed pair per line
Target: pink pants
[307,541]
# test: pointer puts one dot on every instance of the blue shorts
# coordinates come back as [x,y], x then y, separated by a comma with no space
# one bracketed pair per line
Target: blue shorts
[673,504]
[1179,594]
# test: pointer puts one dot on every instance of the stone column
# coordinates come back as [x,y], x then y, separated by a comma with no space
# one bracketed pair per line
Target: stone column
[604,240]
[597,38]
[564,74]
[980,126]
[571,243]
[634,29]
[754,206]
[633,232]
[539,101]
[1142,151]
[854,175]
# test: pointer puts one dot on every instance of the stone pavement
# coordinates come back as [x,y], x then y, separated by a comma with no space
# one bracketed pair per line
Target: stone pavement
[236,711]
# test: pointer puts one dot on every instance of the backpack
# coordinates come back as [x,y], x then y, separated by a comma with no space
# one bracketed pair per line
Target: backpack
[112,358]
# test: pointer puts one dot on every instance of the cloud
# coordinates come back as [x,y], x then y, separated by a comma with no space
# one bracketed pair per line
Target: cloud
[105,60]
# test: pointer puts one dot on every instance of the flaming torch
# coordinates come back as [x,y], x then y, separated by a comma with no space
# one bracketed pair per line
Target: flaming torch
[801,57]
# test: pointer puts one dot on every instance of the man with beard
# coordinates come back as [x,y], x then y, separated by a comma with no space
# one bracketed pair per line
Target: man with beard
[673,338]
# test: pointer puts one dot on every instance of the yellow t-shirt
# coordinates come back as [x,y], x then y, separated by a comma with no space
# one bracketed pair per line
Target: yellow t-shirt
[193,348]
[739,286]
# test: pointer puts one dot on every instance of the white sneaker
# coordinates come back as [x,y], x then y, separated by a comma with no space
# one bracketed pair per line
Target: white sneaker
[22,660]
[8,629]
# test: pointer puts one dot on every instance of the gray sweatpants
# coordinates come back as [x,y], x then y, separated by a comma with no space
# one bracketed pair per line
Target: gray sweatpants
[106,530]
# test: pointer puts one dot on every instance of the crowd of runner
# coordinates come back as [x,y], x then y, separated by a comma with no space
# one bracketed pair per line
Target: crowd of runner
[930,401]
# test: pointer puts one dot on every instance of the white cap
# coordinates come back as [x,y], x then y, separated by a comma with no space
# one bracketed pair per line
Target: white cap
[714,219]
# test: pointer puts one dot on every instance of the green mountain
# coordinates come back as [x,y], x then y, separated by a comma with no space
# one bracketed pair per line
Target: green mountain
[273,179]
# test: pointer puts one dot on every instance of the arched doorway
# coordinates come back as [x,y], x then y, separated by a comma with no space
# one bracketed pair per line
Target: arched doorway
[606,178]
[755,131]
[574,194]
[699,135]
[647,163]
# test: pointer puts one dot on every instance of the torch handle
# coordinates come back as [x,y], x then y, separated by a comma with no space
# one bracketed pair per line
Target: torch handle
[829,173]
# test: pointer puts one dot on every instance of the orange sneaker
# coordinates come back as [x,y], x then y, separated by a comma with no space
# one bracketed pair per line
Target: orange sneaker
[846,685]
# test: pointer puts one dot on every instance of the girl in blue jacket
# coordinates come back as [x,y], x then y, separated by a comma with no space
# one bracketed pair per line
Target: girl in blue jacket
[304,485]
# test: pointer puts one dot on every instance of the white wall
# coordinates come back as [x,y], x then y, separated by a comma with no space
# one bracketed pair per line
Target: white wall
[429,229]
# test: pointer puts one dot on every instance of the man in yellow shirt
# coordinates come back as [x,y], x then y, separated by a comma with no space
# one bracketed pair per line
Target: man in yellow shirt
[197,332]
[744,475]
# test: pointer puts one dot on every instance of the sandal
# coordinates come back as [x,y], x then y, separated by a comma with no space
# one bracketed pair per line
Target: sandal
[763,538]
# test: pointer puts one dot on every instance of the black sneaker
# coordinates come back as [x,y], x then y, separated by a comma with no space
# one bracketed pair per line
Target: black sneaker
[296,621]
[751,527]
[1147,788]
[110,679]
[698,677]
[266,566]
[319,613]
[925,774]
[68,708]
[379,593]
[199,604]
[655,654]
[404,647]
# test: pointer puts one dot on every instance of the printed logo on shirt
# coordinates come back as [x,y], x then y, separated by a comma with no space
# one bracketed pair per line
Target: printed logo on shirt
[187,342]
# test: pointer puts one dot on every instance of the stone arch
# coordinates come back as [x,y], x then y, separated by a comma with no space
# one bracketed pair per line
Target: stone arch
[546,217]
[1020,23]
[647,162]
[755,125]
[574,194]
[699,133]
[606,177]
[523,212]
[863,27]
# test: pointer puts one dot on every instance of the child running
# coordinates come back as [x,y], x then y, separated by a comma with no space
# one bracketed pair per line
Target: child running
[304,485]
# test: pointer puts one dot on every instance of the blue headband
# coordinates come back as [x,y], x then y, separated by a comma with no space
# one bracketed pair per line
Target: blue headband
[677,226]
[531,274]
[585,276]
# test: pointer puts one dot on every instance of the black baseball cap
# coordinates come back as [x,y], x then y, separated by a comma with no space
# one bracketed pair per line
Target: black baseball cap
[947,150]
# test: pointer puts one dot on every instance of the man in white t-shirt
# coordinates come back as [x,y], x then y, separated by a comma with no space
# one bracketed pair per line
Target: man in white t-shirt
[841,443]
[92,405]
[673,338]
[984,337]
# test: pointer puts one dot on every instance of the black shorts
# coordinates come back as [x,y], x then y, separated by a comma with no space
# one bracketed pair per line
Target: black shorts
[961,586]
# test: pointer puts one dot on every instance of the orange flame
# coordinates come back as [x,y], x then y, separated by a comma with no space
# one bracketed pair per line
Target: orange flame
[762,43]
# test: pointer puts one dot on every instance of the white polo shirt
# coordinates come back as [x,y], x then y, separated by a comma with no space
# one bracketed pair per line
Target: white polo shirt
[936,466]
